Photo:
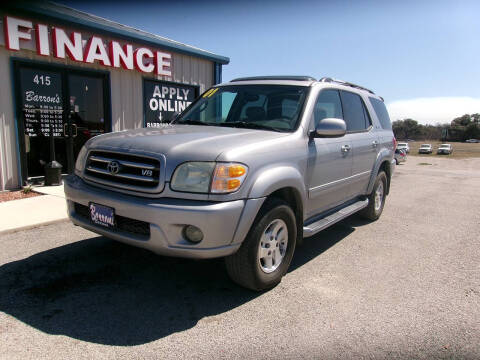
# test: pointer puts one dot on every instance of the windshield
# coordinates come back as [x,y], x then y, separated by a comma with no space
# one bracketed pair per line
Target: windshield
[264,107]
[425,146]
[401,144]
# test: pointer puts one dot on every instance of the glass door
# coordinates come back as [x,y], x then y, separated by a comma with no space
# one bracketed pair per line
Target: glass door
[41,109]
[86,113]
[69,104]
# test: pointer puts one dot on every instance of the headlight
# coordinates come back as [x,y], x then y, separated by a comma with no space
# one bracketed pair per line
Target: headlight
[193,177]
[197,177]
[80,163]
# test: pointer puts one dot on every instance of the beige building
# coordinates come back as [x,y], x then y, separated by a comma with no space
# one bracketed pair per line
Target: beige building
[70,75]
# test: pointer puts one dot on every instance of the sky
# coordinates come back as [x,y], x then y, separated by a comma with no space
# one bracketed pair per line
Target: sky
[422,57]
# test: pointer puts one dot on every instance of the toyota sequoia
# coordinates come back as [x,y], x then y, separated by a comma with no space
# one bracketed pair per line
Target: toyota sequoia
[247,171]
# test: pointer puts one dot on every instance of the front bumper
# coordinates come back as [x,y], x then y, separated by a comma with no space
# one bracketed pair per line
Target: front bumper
[224,224]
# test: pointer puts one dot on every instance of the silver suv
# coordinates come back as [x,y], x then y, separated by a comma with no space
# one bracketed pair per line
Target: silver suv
[245,172]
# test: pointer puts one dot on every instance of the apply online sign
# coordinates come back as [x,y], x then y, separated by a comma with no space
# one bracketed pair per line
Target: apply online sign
[55,40]
[163,99]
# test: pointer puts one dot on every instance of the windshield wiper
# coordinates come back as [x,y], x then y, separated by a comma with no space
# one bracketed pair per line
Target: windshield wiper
[250,125]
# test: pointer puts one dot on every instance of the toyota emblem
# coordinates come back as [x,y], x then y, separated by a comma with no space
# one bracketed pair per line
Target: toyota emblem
[113,167]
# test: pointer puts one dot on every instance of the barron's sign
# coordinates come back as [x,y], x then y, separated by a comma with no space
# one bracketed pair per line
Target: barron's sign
[77,48]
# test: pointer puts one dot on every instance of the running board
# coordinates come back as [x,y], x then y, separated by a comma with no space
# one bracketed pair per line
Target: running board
[319,225]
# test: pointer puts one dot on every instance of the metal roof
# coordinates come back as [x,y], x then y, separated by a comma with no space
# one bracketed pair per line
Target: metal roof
[70,16]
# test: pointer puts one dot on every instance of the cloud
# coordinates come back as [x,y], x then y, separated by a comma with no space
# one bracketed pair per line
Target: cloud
[433,110]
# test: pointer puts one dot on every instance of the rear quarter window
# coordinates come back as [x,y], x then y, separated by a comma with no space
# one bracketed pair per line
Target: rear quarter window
[382,113]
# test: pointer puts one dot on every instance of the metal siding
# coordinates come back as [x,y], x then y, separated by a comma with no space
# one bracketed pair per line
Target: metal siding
[126,88]
[8,151]
[193,71]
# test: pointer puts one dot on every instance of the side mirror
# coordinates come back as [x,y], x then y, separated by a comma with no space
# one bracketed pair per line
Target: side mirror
[330,127]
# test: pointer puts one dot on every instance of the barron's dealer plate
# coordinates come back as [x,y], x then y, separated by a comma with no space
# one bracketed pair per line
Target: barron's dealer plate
[102,215]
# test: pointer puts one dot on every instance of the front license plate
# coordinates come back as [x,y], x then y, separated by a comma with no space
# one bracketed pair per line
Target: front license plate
[102,215]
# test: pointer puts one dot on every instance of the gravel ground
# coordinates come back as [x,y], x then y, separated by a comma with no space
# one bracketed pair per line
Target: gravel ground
[16,195]
[406,286]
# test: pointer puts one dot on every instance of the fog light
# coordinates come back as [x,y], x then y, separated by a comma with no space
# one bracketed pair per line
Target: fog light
[193,233]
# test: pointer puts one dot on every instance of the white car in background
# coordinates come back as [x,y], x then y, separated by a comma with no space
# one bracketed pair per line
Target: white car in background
[425,149]
[446,149]
[403,146]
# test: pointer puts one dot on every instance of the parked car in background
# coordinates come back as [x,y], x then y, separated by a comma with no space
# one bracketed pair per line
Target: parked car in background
[400,156]
[445,149]
[425,149]
[472,141]
[404,146]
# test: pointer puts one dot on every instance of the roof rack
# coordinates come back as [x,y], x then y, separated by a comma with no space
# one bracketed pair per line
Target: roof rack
[346,83]
[275,77]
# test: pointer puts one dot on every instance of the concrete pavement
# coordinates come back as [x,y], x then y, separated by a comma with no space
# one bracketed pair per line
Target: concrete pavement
[404,287]
[36,211]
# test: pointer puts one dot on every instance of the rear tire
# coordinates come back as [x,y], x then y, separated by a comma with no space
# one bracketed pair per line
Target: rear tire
[265,254]
[376,199]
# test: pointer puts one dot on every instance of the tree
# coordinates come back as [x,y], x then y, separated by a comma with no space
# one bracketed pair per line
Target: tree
[406,129]
[462,120]
[471,132]
[476,118]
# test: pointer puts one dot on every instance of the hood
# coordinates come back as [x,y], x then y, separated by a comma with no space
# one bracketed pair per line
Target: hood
[182,142]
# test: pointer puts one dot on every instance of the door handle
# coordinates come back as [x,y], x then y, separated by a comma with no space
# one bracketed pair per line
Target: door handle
[374,143]
[345,148]
[73,127]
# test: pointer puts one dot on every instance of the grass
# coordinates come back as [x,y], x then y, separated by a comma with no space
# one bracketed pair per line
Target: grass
[460,150]
[27,189]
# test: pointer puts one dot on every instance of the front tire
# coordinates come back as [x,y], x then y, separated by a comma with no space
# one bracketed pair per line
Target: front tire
[376,199]
[266,253]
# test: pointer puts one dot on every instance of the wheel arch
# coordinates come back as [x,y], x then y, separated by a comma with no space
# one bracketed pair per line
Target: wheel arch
[284,183]
[383,164]
[293,198]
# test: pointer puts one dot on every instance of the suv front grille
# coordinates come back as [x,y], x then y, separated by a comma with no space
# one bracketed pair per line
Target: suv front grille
[122,223]
[123,170]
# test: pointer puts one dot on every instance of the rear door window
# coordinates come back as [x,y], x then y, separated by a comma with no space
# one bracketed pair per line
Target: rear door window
[354,112]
